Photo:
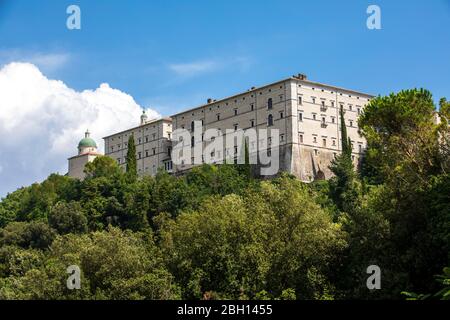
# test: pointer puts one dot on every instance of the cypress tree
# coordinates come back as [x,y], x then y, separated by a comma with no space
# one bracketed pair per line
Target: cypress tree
[342,189]
[131,159]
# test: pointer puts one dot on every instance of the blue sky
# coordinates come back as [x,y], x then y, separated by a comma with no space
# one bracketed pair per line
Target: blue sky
[232,45]
[172,55]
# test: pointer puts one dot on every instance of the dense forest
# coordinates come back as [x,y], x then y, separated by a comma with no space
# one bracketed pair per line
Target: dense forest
[219,233]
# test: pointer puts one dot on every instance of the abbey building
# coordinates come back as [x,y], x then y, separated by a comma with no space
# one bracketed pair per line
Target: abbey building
[303,114]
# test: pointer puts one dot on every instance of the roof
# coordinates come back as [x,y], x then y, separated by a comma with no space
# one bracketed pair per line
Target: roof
[87,143]
[86,154]
[271,84]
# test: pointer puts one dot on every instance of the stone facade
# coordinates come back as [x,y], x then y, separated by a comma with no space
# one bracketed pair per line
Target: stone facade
[306,114]
[153,146]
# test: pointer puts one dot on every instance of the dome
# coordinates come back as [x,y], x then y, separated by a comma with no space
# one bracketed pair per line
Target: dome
[87,142]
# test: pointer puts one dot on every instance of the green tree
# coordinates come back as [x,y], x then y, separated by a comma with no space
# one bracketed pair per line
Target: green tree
[114,265]
[409,148]
[102,166]
[237,246]
[68,218]
[34,234]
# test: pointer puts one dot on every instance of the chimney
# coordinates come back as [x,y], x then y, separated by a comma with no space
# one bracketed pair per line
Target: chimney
[301,76]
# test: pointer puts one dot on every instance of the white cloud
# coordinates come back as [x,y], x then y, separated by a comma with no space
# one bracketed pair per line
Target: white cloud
[49,61]
[198,67]
[42,120]
[45,61]
[193,68]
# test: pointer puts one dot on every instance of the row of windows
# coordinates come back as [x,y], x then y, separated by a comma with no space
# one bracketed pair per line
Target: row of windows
[147,153]
[323,120]
[236,111]
[333,142]
[324,106]
[235,101]
[270,120]
[139,141]
[332,92]
[252,145]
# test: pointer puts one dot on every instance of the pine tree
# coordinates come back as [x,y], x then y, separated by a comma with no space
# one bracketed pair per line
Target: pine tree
[131,160]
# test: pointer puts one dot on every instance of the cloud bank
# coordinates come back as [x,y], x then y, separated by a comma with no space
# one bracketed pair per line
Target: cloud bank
[42,121]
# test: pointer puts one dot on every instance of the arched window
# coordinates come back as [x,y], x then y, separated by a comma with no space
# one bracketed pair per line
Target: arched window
[270,120]
[269,103]
[192,141]
[192,126]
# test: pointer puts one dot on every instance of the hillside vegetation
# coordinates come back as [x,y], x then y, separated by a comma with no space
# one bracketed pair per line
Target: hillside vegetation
[217,233]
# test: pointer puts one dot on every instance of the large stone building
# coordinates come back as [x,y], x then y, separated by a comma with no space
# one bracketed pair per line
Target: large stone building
[305,113]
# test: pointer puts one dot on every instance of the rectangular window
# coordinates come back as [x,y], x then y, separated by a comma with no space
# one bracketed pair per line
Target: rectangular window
[324,142]
[300,100]
[235,112]
[252,123]
[281,115]
[300,116]
[301,138]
